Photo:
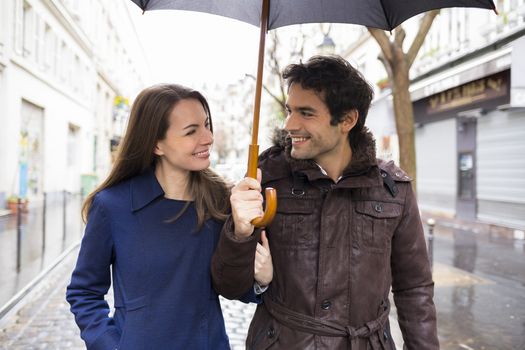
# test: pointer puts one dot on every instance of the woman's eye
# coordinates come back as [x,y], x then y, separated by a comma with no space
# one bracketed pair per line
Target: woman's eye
[191,132]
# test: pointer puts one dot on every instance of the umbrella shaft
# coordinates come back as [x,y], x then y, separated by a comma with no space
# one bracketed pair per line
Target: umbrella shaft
[260,67]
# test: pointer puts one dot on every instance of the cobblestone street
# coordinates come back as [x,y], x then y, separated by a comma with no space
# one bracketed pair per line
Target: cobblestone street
[479,296]
[44,321]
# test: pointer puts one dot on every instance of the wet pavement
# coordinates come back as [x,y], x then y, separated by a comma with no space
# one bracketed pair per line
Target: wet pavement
[38,248]
[480,290]
[479,295]
[43,319]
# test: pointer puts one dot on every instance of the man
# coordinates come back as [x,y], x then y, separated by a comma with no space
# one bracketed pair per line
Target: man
[347,228]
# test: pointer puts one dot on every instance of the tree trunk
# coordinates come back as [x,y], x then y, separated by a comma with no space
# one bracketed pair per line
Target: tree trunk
[404,113]
[397,64]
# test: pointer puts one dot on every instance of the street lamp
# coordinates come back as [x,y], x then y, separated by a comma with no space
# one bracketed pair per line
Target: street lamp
[327,46]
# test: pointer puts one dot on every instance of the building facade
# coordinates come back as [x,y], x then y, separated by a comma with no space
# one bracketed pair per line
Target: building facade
[468,93]
[67,70]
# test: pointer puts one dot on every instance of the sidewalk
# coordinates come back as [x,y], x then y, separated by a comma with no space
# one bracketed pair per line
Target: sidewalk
[474,225]
[42,320]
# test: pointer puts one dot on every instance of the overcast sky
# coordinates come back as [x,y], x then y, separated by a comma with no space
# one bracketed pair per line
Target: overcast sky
[192,48]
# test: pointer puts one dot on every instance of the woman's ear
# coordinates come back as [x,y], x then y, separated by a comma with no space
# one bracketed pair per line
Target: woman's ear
[158,150]
[349,120]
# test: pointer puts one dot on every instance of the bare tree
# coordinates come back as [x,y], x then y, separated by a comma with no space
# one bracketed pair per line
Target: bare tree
[397,64]
[274,85]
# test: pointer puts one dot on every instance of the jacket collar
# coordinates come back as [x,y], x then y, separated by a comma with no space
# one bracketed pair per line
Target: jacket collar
[361,172]
[144,189]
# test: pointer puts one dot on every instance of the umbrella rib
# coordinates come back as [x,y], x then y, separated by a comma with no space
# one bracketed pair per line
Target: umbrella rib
[144,4]
[386,17]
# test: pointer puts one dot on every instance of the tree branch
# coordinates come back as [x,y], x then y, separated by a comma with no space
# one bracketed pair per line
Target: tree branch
[383,41]
[424,28]
[277,99]
[387,66]
[399,36]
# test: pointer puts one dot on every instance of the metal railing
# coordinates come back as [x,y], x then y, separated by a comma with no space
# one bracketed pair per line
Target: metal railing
[57,209]
[431,223]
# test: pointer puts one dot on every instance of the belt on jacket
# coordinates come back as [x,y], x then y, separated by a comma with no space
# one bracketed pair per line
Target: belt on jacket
[308,324]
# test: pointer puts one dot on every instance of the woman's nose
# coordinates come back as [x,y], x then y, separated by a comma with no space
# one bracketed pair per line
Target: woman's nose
[207,137]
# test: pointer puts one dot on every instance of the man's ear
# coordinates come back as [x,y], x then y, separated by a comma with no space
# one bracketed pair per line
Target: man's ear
[349,120]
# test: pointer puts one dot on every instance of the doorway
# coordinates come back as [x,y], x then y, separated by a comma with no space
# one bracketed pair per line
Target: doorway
[466,201]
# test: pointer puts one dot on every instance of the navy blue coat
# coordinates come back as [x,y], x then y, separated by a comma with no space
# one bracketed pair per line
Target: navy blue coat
[161,273]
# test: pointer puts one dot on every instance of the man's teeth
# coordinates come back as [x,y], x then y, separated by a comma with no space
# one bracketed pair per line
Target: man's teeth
[299,139]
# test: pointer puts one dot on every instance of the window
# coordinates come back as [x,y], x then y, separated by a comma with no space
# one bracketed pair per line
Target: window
[49,49]
[28,30]
[72,145]
[18,37]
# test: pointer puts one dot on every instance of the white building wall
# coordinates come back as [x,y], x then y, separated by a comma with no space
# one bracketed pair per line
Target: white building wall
[54,54]
[59,111]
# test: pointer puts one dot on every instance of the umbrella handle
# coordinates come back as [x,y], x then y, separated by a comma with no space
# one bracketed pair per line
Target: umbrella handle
[270,193]
[269,211]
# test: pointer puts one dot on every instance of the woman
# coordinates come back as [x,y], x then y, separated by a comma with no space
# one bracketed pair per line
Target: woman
[152,227]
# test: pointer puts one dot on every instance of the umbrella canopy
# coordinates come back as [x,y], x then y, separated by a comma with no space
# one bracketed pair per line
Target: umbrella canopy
[382,14]
[271,14]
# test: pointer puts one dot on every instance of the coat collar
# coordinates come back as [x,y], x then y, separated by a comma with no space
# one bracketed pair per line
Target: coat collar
[361,172]
[145,188]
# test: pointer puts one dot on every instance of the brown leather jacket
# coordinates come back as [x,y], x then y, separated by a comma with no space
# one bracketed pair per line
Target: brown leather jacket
[337,249]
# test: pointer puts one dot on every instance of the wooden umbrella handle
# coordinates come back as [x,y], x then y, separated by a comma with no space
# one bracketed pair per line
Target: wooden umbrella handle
[269,211]
[270,193]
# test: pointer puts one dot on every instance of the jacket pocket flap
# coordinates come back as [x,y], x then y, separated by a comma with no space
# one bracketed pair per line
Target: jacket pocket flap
[377,209]
[136,303]
[289,205]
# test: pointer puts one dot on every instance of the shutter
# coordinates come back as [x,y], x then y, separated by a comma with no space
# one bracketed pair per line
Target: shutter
[436,166]
[501,168]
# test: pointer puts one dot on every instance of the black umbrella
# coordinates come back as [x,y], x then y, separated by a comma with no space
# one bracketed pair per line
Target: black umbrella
[382,14]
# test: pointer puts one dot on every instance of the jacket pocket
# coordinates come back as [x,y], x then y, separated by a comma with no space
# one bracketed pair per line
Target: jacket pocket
[375,224]
[134,311]
[266,336]
[293,225]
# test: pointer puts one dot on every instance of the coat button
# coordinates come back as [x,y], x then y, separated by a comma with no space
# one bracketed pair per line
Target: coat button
[326,305]
[383,174]
[270,332]
[378,207]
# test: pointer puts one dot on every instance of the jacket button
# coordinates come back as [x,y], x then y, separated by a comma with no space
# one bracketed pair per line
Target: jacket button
[326,305]
[271,332]
[379,208]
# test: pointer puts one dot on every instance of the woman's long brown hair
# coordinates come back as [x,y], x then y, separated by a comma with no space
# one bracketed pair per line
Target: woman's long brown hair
[148,123]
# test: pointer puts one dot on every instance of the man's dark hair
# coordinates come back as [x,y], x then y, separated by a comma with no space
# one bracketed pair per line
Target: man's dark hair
[337,83]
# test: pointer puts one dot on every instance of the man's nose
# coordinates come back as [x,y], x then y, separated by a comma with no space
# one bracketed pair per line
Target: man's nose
[290,123]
